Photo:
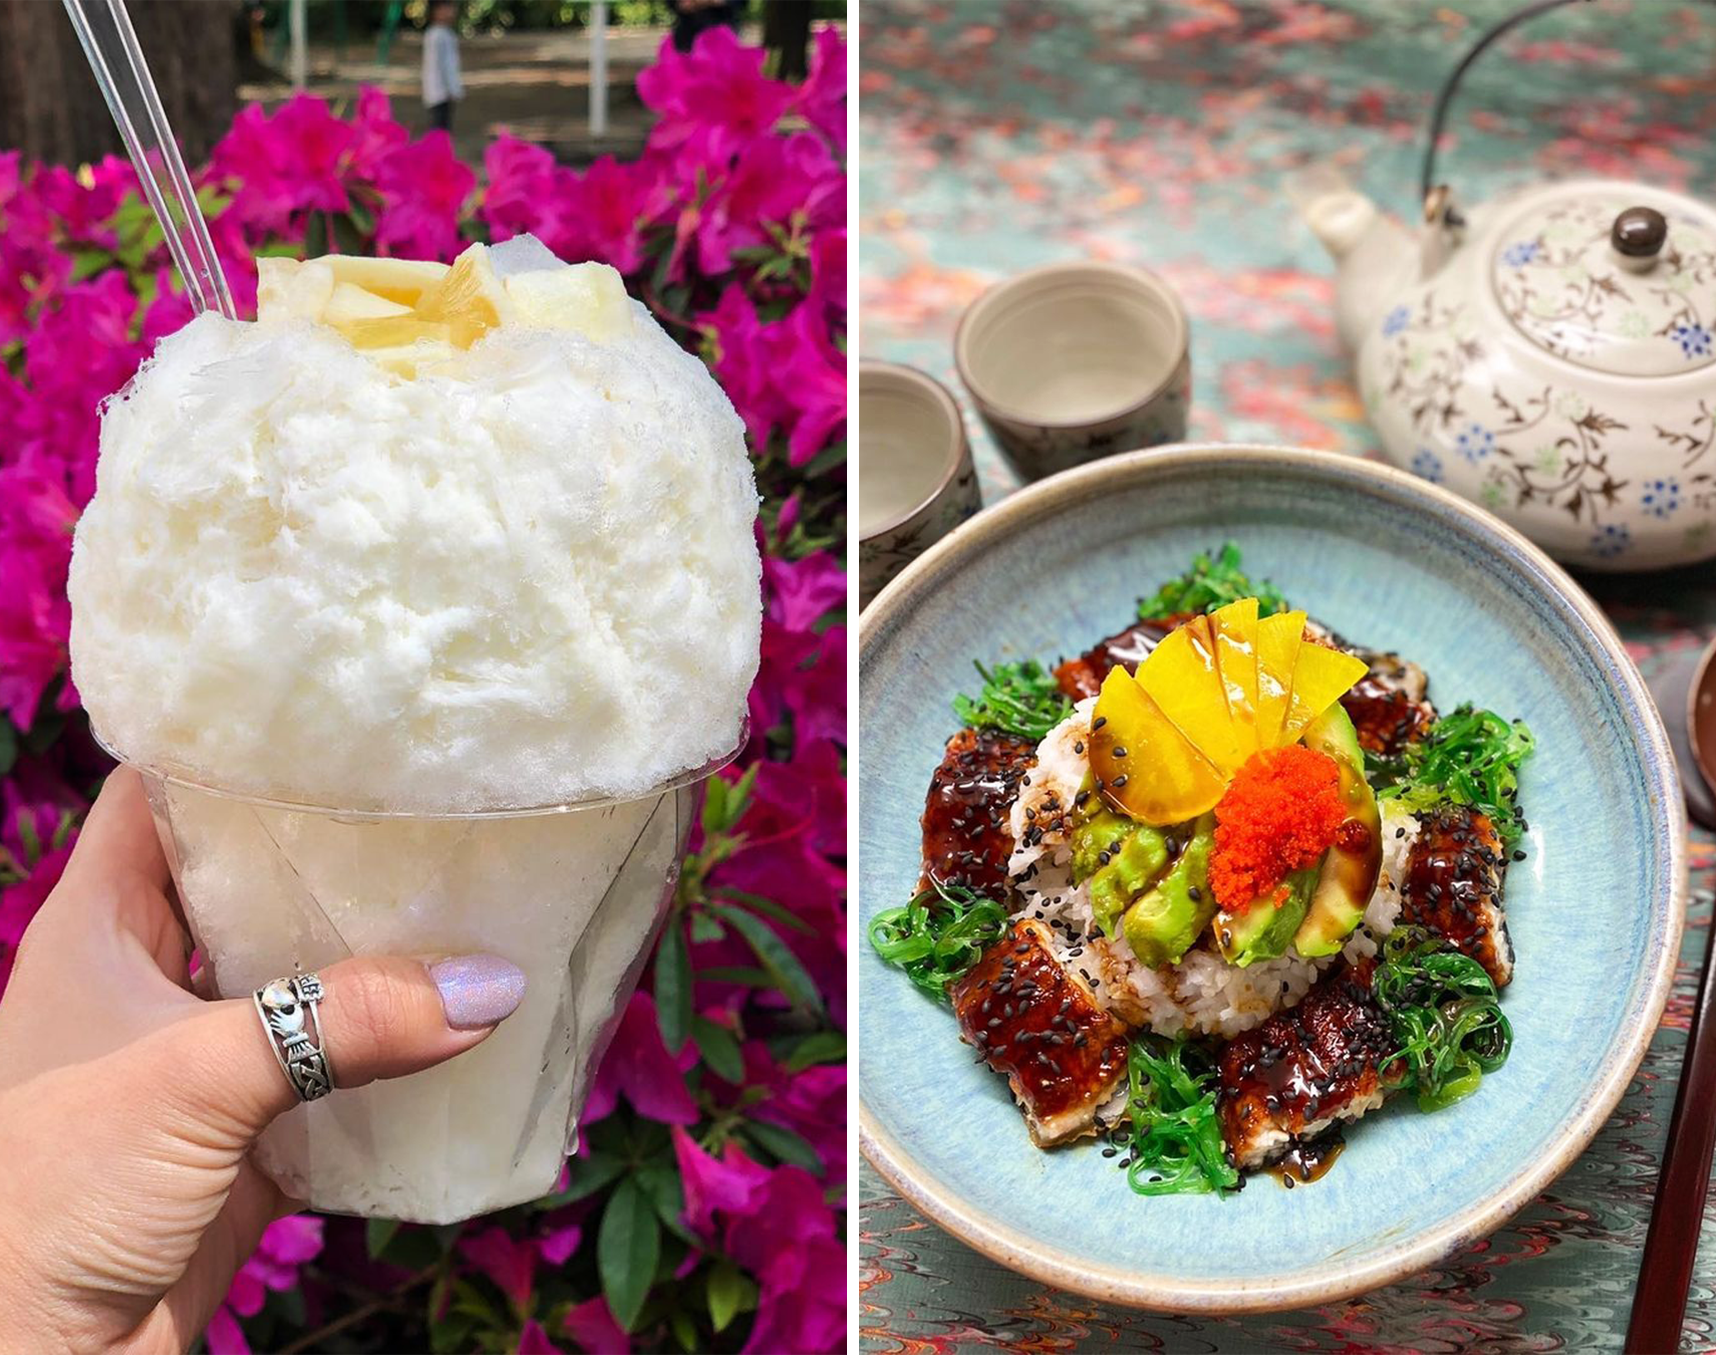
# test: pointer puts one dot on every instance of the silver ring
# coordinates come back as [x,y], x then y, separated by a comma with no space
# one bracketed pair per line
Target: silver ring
[283,1005]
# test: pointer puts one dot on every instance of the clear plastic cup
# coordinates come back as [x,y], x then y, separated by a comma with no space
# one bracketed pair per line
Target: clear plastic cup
[572,894]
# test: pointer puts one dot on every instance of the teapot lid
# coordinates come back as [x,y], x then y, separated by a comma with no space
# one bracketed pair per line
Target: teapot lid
[1610,276]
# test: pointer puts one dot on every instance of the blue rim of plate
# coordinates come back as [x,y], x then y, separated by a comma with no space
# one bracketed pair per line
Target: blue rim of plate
[1382,1265]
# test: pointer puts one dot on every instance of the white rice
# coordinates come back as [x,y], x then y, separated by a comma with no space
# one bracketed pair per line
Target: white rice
[1203,993]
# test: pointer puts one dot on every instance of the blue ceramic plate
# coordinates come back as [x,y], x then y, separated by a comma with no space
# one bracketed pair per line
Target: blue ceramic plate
[1595,910]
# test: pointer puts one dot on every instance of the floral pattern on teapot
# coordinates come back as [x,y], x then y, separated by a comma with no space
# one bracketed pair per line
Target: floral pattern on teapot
[1562,285]
[1538,451]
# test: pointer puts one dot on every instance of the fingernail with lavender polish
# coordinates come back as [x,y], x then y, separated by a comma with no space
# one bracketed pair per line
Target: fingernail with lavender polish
[478,990]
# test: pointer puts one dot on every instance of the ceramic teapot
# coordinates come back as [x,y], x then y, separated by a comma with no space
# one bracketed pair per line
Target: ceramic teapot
[1549,356]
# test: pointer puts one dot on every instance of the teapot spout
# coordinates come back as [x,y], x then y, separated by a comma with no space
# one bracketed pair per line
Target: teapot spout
[1377,258]
[1336,212]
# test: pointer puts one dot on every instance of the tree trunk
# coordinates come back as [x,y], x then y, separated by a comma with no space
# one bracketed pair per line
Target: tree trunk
[51,109]
[787,32]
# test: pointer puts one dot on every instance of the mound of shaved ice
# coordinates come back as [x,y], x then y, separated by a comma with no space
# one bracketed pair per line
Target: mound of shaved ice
[527,578]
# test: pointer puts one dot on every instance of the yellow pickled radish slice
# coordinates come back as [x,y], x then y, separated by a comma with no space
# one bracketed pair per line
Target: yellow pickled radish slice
[1236,628]
[1278,643]
[398,280]
[1320,676]
[1181,677]
[351,303]
[469,299]
[1144,764]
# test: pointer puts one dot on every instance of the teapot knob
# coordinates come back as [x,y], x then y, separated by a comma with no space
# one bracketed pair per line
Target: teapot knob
[1637,236]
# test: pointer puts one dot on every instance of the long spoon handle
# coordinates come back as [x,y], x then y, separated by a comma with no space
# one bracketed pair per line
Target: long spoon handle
[109,42]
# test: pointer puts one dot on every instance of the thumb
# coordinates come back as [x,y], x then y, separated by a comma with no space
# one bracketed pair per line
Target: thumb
[381,1017]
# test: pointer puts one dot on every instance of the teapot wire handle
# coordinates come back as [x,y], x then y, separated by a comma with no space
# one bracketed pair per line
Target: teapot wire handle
[1428,179]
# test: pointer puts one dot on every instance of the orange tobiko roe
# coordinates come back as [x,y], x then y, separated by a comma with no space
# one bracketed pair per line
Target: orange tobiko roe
[1279,814]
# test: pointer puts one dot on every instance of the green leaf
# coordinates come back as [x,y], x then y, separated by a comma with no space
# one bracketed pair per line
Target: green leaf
[587,1175]
[86,263]
[785,1145]
[745,978]
[826,1046]
[719,1049]
[825,461]
[772,952]
[673,987]
[316,235]
[704,927]
[661,1185]
[348,235]
[377,1234]
[26,825]
[628,1241]
[9,750]
[729,1293]
[770,908]
[684,1332]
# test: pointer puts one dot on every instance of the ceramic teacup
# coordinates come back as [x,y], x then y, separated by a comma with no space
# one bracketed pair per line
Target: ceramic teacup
[916,482]
[1076,361]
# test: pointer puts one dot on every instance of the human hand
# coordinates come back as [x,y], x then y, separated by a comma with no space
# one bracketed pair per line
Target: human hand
[128,1104]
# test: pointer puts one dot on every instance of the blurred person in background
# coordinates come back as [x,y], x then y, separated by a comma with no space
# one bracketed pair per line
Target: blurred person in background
[442,88]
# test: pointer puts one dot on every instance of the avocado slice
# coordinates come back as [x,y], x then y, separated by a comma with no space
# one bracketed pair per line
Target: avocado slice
[1349,872]
[1164,923]
[1119,860]
[1263,930]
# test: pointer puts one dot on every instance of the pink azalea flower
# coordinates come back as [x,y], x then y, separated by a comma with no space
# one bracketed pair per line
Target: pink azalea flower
[829,270]
[524,193]
[423,186]
[377,135]
[716,93]
[604,212]
[822,99]
[813,379]
[728,1183]
[511,1262]
[639,1066]
[768,183]
[811,1102]
[286,1245]
[533,1340]
[21,901]
[84,213]
[802,592]
[742,361]
[592,1325]
[170,311]
[284,165]
[558,1244]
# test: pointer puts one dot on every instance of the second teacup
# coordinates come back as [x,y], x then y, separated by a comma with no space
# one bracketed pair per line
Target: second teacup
[916,481]
[1076,361]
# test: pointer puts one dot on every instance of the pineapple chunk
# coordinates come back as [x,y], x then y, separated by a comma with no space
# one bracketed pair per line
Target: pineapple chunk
[395,331]
[469,299]
[409,360]
[290,290]
[401,343]
[587,298]
[398,280]
[1278,643]
[351,303]
[1145,766]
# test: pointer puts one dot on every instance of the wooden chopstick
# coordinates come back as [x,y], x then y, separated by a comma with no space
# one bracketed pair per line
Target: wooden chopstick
[1667,1262]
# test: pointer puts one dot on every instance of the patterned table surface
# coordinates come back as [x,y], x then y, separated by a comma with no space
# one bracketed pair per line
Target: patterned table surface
[996,136]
